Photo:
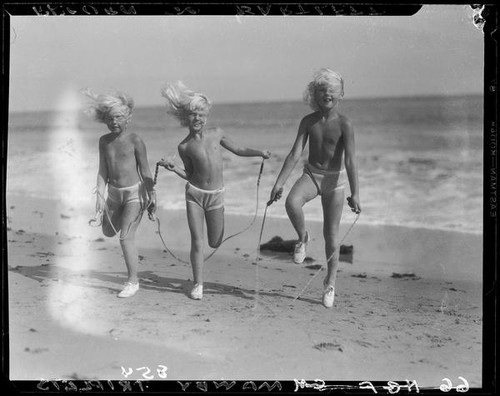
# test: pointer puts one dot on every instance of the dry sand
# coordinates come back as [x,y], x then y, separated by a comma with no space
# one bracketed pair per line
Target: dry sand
[409,306]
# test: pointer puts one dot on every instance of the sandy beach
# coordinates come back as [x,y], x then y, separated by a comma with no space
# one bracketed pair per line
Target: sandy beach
[409,306]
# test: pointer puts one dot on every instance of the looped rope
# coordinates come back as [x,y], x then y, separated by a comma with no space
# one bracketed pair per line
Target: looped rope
[98,218]
[165,245]
[254,217]
[226,239]
[257,257]
[329,258]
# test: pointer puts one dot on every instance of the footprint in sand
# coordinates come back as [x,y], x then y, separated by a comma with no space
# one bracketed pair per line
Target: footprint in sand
[328,346]
[410,275]
[365,344]
[43,254]
[36,350]
[200,331]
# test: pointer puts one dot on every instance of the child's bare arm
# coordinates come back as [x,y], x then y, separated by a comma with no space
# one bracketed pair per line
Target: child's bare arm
[102,177]
[350,165]
[291,160]
[142,163]
[143,167]
[171,166]
[228,144]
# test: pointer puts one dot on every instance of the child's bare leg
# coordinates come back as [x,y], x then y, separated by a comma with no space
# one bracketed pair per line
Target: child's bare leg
[215,227]
[332,212]
[195,216]
[302,192]
[131,217]
[111,220]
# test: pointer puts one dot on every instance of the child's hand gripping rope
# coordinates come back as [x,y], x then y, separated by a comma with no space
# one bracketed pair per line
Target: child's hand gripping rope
[274,198]
[151,211]
[99,209]
[169,165]
[97,220]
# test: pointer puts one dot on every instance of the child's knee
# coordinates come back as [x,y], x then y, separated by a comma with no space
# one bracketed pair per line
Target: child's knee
[108,231]
[292,203]
[196,244]
[215,244]
[332,239]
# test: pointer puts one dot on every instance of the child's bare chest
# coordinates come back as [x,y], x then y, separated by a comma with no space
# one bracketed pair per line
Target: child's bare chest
[119,149]
[203,148]
[326,133]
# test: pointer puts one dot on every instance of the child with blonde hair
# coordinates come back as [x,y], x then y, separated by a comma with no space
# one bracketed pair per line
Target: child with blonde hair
[124,172]
[331,145]
[201,155]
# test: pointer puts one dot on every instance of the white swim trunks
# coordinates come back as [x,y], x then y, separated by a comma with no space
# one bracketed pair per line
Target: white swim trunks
[206,199]
[325,181]
[122,195]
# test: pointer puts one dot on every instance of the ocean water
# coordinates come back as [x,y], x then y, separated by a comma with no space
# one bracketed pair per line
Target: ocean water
[419,159]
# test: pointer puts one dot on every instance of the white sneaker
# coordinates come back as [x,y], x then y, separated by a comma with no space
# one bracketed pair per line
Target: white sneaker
[197,292]
[299,253]
[328,296]
[129,290]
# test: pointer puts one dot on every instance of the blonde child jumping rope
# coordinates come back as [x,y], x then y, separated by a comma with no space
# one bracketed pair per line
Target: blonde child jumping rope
[201,155]
[331,146]
[124,172]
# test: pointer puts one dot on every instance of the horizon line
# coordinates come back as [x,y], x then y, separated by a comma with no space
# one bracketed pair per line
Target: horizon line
[275,101]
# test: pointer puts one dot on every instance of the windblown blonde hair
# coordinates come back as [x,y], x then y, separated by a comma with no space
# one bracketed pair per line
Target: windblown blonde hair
[324,77]
[180,101]
[102,104]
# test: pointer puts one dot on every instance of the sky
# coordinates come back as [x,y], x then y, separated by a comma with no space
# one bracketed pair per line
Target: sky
[437,51]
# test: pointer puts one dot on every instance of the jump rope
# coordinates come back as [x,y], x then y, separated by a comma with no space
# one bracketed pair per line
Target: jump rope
[153,218]
[327,260]
[257,258]
[97,221]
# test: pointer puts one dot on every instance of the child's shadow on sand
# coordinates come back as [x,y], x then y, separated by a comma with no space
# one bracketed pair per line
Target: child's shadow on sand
[149,281]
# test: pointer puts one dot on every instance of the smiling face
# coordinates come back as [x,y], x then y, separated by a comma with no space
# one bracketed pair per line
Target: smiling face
[197,119]
[325,97]
[116,121]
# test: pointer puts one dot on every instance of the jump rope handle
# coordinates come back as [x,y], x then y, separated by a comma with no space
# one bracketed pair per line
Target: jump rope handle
[151,215]
[276,197]
[156,172]
[270,202]
[260,171]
